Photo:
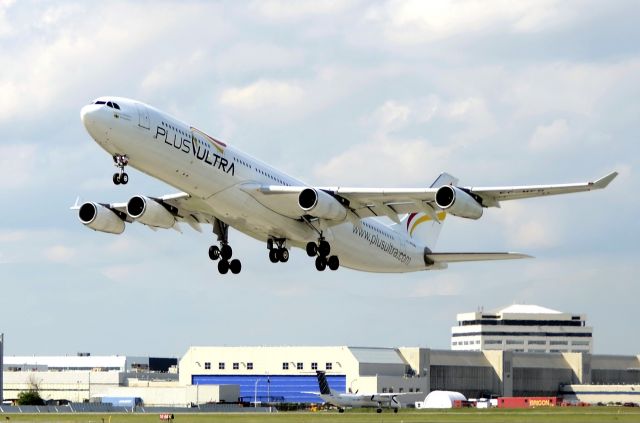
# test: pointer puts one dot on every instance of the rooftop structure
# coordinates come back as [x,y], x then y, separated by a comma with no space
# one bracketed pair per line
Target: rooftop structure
[522,328]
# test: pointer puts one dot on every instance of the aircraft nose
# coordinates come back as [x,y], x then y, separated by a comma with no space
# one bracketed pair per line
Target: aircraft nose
[85,115]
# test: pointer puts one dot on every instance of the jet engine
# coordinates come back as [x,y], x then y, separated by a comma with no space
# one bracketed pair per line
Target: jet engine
[457,202]
[320,204]
[150,212]
[100,218]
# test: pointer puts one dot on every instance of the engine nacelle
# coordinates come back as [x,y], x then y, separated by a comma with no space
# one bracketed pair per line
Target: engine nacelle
[150,212]
[100,218]
[457,202]
[320,204]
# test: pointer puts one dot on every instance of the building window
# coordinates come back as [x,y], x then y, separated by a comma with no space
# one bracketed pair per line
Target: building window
[579,342]
[299,366]
[537,342]
[515,342]
[207,365]
[220,366]
[236,366]
[328,366]
[249,366]
[454,343]
[558,343]
[314,366]
[410,389]
[285,366]
[492,342]
[384,390]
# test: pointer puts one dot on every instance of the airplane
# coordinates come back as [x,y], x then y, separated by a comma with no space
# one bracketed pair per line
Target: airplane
[342,401]
[225,187]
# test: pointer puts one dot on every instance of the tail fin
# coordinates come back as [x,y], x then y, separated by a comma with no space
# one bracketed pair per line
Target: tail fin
[424,227]
[322,382]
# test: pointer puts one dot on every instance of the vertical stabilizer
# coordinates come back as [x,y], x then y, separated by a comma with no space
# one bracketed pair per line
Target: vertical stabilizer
[322,383]
[424,227]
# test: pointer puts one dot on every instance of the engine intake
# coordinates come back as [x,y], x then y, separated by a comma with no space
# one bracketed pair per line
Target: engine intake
[457,202]
[150,212]
[320,204]
[100,218]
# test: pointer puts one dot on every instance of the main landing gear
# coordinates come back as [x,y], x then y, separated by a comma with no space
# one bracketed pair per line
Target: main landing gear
[278,252]
[321,252]
[224,252]
[120,161]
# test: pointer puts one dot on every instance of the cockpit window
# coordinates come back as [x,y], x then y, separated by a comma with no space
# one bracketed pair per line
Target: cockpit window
[99,102]
[115,106]
[109,104]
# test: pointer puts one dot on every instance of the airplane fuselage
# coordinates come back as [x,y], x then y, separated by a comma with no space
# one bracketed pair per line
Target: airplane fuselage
[224,178]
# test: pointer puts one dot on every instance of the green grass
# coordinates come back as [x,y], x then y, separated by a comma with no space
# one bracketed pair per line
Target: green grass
[572,414]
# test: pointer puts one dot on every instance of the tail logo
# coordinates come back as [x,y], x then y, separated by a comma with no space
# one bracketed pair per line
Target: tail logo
[414,221]
[218,145]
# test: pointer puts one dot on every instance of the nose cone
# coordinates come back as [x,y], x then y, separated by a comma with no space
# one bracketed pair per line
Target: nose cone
[87,115]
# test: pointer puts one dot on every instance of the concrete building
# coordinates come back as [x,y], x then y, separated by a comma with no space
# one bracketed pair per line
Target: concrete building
[522,328]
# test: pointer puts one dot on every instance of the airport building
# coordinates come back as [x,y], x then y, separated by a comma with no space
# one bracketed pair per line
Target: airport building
[288,374]
[522,328]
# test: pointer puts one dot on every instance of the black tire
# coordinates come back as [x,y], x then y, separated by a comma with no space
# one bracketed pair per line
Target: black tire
[269,244]
[324,249]
[235,266]
[124,178]
[226,252]
[273,256]
[340,410]
[223,267]
[116,178]
[214,252]
[395,410]
[321,263]
[312,249]
[283,255]
[379,410]
[333,262]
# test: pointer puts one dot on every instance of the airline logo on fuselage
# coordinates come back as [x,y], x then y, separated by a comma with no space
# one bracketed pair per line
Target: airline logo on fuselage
[200,145]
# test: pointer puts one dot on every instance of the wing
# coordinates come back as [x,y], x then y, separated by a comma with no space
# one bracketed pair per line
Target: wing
[491,196]
[390,202]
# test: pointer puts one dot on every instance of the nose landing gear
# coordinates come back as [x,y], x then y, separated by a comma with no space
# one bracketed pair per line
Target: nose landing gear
[120,161]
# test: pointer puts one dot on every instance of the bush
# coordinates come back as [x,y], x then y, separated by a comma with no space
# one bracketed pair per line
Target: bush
[30,398]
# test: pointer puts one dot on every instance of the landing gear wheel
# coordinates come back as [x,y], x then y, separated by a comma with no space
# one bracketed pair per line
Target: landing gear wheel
[312,249]
[235,266]
[324,249]
[283,255]
[340,410]
[116,178]
[333,262]
[214,252]
[223,267]
[321,263]
[379,410]
[124,178]
[273,256]
[226,252]
[395,410]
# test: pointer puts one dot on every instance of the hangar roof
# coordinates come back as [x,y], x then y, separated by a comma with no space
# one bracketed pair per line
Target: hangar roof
[376,355]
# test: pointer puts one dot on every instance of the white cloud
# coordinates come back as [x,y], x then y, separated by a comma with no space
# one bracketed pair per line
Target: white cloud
[283,10]
[264,95]
[18,164]
[550,137]
[60,254]
[416,21]
[531,225]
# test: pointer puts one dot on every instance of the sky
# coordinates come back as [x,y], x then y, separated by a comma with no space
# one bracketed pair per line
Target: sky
[351,93]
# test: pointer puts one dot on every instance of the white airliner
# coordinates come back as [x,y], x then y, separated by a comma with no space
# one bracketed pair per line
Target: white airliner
[223,186]
[342,401]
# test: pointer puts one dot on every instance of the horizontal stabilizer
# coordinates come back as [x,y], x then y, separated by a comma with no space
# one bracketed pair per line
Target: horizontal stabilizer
[462,257]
